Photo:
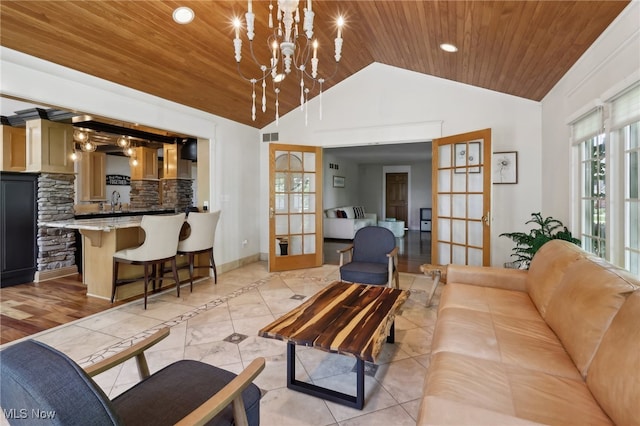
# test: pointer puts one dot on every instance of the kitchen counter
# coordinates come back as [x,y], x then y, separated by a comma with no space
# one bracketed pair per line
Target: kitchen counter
[120,213]
[96,224]
[101,238]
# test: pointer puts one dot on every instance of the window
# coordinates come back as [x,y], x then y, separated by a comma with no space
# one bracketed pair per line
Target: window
[607,141]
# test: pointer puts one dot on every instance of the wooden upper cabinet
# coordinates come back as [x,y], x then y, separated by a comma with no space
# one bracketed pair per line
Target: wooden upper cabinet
[13,156]
[93,179]
[147,167]
[173,166]
[49,146]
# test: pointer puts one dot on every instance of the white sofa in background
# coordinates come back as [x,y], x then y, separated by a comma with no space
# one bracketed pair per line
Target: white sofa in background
[345,228]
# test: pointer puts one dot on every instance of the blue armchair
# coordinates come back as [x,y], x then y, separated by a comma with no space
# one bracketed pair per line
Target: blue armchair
[373,258]
[37,380]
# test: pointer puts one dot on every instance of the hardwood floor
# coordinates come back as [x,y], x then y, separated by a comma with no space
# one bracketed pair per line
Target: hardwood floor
[27,309]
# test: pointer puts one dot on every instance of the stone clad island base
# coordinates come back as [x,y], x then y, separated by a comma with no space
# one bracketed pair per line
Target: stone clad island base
[344,318]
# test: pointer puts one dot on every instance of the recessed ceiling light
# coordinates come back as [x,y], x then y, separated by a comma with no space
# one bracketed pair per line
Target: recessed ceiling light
[183,15]
[448,47]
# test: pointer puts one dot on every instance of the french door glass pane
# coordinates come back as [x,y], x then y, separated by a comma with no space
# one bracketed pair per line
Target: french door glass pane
[475,206]
[444,180]
[459,255]
[475,234]
[459,205]
[444,256]
[444,156]
[309,244]
[444,205]
[475,181]
[295,221]
[282,224]
[295,244]
[459,232]
[474,257]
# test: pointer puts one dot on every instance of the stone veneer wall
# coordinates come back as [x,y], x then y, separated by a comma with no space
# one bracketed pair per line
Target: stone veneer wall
[177,193]
[144,194]
[56,246]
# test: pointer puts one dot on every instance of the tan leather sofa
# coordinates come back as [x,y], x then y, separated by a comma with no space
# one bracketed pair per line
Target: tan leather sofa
[557,344]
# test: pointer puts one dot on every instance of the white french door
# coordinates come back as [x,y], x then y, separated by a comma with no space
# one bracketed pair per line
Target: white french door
[462,199]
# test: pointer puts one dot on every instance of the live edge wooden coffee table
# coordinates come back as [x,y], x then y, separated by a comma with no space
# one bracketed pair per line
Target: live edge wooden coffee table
[349,319]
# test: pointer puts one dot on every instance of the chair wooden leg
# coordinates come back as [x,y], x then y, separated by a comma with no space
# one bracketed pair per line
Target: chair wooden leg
[175,275]
[146,283]
[114,280]
[213,264]
[191,260]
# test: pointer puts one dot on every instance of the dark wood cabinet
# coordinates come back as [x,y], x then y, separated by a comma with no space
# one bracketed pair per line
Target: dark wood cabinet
[18,227]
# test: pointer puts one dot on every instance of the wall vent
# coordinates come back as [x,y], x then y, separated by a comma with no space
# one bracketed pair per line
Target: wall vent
[270,137]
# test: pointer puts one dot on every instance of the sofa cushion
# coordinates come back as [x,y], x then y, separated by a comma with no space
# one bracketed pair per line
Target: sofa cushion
[341,214]
[584,304]
[500,325]
[358,212]
[509,390]
[330,213]
[613,375]
[547,270]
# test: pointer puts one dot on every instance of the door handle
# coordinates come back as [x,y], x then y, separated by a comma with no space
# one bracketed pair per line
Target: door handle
[486,218]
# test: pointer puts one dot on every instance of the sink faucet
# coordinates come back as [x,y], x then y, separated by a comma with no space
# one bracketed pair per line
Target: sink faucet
[115,198]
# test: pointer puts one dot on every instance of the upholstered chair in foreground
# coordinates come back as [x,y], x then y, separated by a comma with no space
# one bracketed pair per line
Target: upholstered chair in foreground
[37,380]
[200,240]
[160,245]
[373,260]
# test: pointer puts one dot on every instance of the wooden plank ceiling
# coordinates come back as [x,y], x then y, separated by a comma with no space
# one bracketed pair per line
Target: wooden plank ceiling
[517,47]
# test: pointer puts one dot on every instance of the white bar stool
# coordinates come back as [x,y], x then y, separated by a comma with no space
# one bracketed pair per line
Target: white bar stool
[160,245]
[200,240]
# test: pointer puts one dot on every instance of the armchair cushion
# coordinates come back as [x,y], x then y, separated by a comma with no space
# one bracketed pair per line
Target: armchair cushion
[181,388]
[365,272]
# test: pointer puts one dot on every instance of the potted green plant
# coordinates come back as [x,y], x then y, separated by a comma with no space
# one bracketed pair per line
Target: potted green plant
[527,244]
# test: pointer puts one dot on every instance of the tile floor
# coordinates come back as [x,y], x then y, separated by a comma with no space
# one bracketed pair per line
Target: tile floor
[218,324]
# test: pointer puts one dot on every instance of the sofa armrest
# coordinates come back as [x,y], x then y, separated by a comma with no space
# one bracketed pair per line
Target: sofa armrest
[487,276]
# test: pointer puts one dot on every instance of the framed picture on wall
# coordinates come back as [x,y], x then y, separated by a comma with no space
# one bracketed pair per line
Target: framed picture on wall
[338,181]
[505,167]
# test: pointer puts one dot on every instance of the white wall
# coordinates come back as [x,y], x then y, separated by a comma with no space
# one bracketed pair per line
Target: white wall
[234,152]
[609,65]
[384,104]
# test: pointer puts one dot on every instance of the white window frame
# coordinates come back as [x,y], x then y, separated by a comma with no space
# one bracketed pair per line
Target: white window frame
[603,118]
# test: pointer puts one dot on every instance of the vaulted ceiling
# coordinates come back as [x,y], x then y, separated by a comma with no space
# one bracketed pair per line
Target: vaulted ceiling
[517,47]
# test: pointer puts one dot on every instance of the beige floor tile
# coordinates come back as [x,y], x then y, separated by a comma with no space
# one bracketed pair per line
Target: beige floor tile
[395,416]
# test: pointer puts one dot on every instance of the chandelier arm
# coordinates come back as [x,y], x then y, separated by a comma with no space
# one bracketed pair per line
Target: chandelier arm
[250,78]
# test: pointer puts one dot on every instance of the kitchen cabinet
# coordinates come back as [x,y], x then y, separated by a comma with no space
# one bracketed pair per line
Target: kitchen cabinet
[18,227]
[147,167]
[13,156]
[93,179]
[174,167]
[49,146]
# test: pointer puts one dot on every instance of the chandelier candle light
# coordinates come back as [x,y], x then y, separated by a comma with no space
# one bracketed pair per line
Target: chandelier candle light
[289,50]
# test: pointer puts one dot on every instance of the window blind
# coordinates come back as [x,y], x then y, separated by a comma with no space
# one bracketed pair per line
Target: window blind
[587,126]
[625,109]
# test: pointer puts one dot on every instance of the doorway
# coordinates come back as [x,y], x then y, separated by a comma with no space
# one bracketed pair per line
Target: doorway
[397,196]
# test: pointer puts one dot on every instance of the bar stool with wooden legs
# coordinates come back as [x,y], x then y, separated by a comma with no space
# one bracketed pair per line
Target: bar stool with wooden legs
[160,245]
[200,240]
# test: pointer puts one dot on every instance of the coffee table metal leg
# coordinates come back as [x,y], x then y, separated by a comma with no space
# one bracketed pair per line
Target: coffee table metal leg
[324,393]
